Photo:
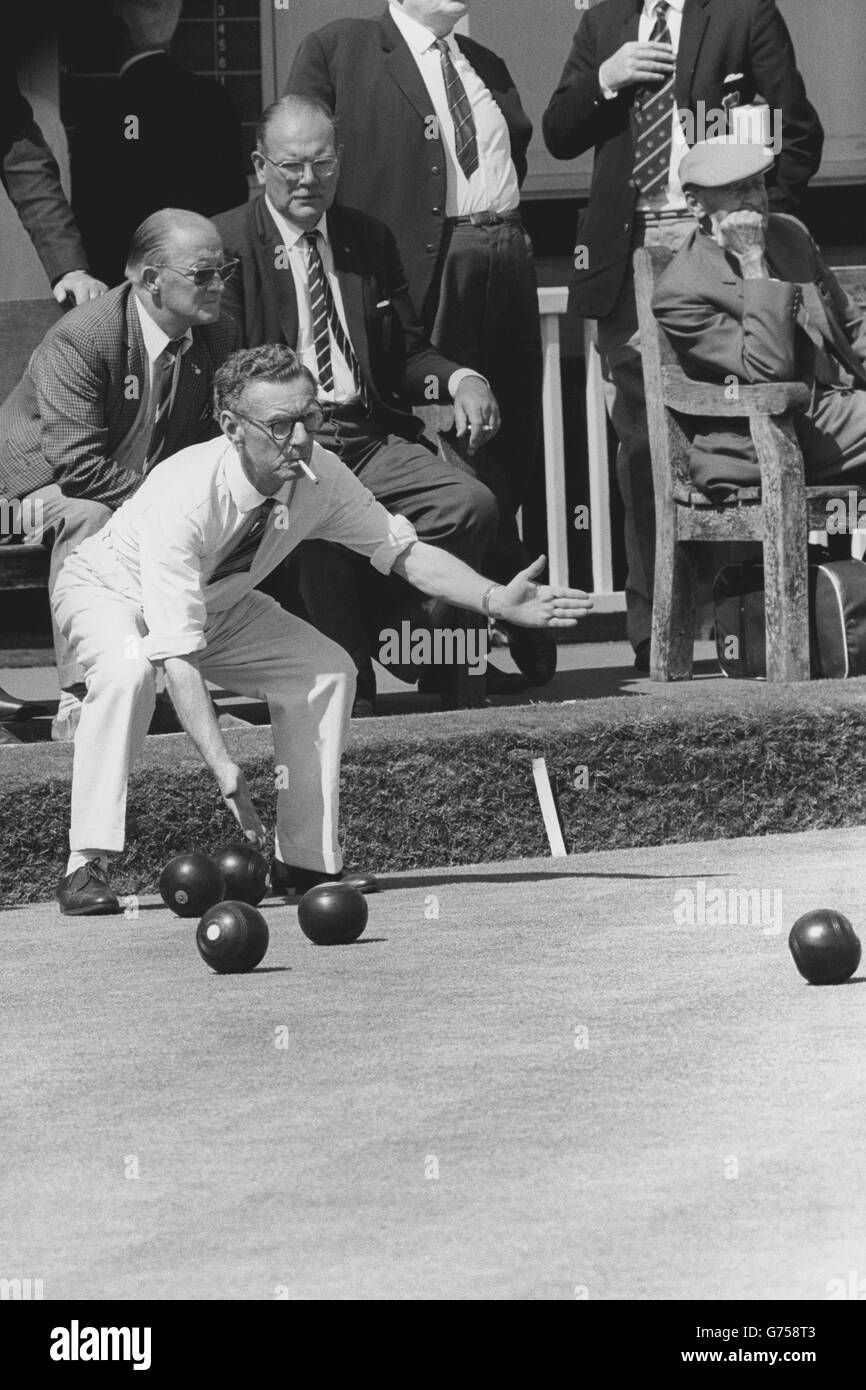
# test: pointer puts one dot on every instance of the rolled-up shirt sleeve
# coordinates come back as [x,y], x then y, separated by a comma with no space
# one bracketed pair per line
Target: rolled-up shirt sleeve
[172,600]
[355,519]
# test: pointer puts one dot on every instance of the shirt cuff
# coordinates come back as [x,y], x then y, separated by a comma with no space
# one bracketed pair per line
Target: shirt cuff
[461,374]
[157,646]
[401,534]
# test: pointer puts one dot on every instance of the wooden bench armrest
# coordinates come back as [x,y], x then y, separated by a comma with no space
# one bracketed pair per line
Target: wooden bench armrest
[705,398]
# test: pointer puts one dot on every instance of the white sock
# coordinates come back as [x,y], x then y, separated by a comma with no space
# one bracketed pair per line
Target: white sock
[79,857]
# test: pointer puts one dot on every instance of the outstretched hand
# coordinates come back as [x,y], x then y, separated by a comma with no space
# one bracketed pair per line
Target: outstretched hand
[236,795]
[527,604]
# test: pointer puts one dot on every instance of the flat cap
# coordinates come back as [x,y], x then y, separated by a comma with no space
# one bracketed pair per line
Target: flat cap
[722,160]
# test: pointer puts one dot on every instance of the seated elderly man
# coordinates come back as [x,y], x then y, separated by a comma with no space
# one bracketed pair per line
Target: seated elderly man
[749,298]
[113,387]
[170,581]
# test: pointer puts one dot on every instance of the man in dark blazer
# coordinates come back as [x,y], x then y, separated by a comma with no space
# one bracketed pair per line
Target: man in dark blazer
[156,137]
[114,386]
[31,178]
[699,59]
[748,298]
[400,86]
[372,427]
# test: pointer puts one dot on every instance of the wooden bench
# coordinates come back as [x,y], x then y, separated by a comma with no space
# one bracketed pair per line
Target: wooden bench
[780,513]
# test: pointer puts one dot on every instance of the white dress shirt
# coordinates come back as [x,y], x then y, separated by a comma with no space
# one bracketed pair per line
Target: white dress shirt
[161,546]
[293,239]
[131,452]
[672,200]
[344,383]
[493,187]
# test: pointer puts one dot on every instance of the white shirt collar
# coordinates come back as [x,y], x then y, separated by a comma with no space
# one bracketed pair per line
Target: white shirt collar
[155,338]
[136,58]
[244,495]
[649,6]
[290,231]
[419,38]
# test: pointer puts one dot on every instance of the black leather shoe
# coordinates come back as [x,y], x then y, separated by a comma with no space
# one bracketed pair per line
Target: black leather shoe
[534,653]
[504,682]
[291,882]
[642,655]
[13,708]
[86,893]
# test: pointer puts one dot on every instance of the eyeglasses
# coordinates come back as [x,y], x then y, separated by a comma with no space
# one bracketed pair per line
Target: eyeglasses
[202,275]
[293,169]
[281,431]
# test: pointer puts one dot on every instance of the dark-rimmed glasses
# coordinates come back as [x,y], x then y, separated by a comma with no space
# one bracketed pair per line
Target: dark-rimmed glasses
[280,431]
[201,275]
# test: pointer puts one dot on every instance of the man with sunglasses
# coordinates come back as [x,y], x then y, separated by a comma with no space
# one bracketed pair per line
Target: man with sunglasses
[327,281]
[115,386]
[171,581]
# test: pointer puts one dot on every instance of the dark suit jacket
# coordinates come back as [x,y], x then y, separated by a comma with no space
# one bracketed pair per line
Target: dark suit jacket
[395,358]
[723,326]
[718,37]
[75,403]
[363,70]
[29,173]
[186,154]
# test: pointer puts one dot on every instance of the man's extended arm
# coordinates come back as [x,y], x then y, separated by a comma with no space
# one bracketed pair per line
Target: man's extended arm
[521,601]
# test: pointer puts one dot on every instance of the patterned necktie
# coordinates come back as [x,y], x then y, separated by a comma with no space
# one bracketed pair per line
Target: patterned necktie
[326,321]
[163,380]
[652,154]
[465,137]
[240,559]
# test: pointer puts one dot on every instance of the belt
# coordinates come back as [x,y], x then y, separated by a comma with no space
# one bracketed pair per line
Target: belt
[484,219]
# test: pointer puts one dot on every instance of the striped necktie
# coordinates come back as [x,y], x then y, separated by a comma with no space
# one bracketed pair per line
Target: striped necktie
[654,116]
[240,559]
[326,322]
[163,381]
[465,137]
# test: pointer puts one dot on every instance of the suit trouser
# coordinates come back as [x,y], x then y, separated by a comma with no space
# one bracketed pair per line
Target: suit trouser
[71,520]
[343,595]
[622,368]
[483,313]
[254,648]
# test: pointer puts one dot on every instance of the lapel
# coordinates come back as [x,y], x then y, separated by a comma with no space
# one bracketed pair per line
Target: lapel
[135,367]
[696,16]
[402,68]
[350,270]
[277,284]
[629,21]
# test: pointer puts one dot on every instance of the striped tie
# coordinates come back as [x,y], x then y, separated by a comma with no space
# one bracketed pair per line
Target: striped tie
[163,380]
[465,137]
[240,559]
[326,321]
[654,115]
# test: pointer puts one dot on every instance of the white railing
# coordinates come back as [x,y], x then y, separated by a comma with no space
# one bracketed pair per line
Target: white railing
[552,305]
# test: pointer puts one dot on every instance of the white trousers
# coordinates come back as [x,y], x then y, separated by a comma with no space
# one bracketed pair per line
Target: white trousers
[254,648]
